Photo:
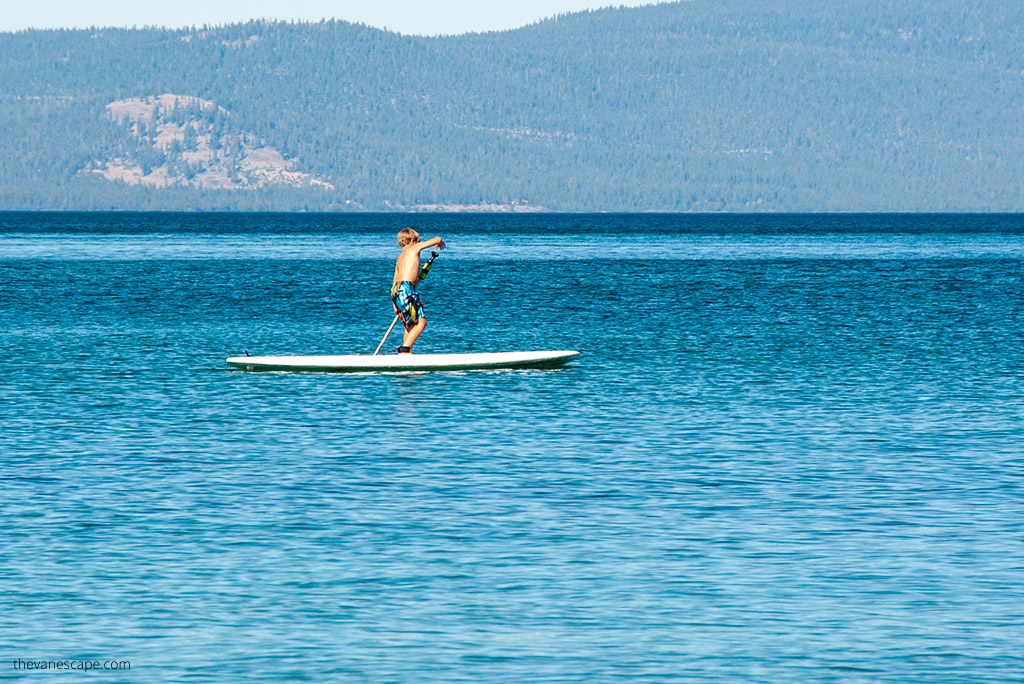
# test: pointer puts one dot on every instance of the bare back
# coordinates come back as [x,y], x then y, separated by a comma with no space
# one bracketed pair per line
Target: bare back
[408,265]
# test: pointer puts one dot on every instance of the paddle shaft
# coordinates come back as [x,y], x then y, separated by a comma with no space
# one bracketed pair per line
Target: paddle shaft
[423,274]
[386,335]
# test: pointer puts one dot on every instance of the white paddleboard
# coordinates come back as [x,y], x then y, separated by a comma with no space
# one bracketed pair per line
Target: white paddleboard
[404,362]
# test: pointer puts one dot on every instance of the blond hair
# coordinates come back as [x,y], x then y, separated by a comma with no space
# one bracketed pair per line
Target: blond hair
[408,236]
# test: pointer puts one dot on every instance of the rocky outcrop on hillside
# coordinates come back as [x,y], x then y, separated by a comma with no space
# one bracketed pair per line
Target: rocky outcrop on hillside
[178,140]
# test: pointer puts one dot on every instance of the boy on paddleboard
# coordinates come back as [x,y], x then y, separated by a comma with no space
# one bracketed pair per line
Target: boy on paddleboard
[406,302]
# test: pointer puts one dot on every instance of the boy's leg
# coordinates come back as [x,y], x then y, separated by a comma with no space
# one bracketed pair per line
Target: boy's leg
[413,333]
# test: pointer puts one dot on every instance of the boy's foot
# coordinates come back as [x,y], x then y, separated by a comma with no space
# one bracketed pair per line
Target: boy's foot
[404,350]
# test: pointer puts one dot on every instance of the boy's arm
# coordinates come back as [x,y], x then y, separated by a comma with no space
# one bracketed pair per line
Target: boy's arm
[432,242]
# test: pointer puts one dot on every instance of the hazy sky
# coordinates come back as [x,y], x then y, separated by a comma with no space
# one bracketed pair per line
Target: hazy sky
[429,17]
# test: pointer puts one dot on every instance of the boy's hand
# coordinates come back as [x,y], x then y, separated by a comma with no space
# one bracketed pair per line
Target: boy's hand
[440,244]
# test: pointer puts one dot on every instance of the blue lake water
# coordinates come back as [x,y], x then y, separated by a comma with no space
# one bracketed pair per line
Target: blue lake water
[792,450]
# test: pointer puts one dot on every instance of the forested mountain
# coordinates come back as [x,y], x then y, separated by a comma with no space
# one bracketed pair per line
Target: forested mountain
[707,105]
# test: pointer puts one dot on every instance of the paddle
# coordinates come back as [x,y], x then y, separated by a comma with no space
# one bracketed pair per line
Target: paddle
[423,274]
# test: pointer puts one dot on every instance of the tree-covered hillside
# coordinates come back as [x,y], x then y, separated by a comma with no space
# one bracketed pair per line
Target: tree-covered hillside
[743,105]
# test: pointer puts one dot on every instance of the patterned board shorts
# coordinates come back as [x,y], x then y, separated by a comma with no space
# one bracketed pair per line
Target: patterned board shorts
[408,303]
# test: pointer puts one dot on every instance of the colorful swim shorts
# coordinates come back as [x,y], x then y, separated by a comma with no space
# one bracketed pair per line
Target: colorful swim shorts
[408,303]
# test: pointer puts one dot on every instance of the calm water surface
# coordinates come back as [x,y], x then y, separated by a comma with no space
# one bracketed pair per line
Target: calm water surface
[792,450]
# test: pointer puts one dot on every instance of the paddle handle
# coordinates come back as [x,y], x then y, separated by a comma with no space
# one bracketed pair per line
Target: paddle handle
[426,267]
